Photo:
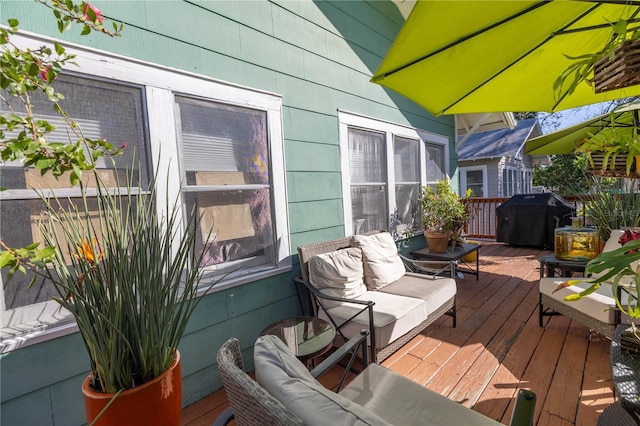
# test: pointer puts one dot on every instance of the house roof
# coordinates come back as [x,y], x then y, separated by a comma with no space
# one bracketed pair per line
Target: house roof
[497,143]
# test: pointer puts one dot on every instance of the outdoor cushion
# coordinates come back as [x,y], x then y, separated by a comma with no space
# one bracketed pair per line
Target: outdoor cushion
[280,373]
[382,265]
[338,273]
[393,316]
[401,401]
[598,305]
[434,292]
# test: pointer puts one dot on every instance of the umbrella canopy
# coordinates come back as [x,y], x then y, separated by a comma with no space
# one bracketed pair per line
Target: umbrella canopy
[623,121]
[454,57]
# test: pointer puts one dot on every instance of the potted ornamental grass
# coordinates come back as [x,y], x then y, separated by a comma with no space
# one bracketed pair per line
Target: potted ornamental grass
[126,266]
[442,213]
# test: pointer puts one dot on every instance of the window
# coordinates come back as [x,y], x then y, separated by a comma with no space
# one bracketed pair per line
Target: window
[515,181]
[226,160]
[475,179]
[217,147]
[108,110]
[383,167]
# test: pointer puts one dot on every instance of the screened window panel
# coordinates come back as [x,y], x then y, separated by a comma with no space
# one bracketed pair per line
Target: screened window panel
[369,208]
[228,140]
[407,207]
[103,110]
[406,159]
[225,145]
[435,163]
[475,182]
[367,157]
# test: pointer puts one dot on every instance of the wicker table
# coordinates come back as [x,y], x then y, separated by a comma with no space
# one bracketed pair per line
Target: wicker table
[306,337]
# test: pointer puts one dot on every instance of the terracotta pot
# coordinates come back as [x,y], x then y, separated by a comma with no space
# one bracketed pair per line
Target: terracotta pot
[437,241]
[158,402]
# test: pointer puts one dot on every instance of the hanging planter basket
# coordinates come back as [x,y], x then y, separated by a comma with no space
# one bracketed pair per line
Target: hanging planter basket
[622,70]
[615,168]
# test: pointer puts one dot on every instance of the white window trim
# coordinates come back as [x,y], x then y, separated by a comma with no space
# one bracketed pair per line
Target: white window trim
[45,320]
[463,178]
[348,119]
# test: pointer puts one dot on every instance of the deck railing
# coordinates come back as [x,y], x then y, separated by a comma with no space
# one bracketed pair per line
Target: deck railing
[484,222]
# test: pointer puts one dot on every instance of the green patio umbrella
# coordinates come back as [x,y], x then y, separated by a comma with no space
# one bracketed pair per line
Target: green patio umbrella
[454,57]
[623,119]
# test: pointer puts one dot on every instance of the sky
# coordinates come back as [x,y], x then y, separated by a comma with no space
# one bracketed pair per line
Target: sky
[562,119]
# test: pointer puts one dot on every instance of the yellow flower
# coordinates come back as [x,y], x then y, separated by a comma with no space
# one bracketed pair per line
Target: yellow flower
[86,251]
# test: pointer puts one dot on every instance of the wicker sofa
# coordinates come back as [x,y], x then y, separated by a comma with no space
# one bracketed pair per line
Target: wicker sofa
[597,311]
[361,282]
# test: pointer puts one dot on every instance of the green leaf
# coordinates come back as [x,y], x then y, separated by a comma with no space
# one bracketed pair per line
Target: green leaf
[13,23]
[59,49]
[85,30]
[6,258]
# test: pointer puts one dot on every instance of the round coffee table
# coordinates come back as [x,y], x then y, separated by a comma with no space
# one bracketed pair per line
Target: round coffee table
[306,337]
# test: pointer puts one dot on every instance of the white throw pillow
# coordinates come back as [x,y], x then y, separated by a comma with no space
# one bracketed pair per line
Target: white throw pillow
[382,265]
[338,273]
[287,380]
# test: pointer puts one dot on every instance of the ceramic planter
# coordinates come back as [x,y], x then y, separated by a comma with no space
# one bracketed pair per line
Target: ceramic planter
[158,402]
[437,241]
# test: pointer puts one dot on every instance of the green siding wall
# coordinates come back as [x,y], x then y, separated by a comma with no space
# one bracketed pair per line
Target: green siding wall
[319,55]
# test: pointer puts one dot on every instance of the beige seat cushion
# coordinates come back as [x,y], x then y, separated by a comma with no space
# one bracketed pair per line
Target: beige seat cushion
[401,401]
[338,273]
[382,265]
[287,380]
[598,305]
[393,316]
[435,292]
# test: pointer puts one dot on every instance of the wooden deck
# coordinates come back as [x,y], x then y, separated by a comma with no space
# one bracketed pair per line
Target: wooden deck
[496,349]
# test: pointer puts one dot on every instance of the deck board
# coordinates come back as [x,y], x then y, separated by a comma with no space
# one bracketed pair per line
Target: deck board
[496,349]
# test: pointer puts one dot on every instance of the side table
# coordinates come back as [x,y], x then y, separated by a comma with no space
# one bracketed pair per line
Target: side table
[455,254]
[551,266]
[306,337]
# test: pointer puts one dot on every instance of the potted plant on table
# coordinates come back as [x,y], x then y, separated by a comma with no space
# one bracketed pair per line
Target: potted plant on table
[442,213]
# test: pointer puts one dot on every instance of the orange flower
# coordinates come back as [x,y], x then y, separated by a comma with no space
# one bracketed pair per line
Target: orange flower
[86,251]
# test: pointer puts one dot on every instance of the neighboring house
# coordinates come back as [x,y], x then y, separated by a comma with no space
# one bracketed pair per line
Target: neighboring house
[270,99]
[493,164]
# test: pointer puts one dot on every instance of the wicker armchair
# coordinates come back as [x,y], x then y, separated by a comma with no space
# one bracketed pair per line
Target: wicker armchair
[251,404]
[376,396]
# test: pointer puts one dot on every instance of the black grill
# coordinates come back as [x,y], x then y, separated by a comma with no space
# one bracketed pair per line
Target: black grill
[531,219]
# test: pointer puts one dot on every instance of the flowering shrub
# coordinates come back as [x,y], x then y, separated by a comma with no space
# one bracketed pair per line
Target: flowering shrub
[441,207]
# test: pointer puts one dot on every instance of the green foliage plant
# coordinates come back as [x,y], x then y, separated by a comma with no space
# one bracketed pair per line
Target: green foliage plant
[129,276]
[583,65]
[611,143]
[612,204]
[441,207]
